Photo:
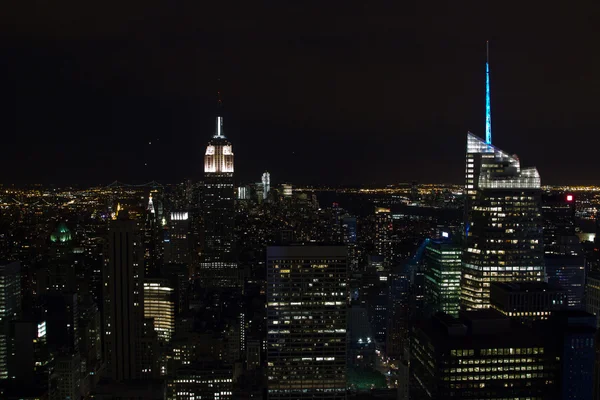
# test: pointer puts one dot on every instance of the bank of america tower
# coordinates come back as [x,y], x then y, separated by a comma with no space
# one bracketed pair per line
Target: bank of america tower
[503,221]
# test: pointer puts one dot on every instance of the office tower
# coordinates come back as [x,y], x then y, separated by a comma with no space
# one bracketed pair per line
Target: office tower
[159,304]
[349,238]
[359,328]
[10,307]
[61,274]
[383,235]
[306,322]
[378,302]
[90,343]
[29,358]
[287,190]
[570,337]
[266,184]
[480,356]
[527,301]
[177,244]
[442,277]
[66,377]
[558,211]
[203,381]
[179,279]
[123,300]
[503,224]
[592,294]
[62,322]
[243,193]
[152,234]
[398,314]
[563,254]
[218,266]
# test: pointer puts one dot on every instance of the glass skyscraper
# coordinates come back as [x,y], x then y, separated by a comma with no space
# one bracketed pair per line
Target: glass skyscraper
[503,222]
[442,276]
[218,266]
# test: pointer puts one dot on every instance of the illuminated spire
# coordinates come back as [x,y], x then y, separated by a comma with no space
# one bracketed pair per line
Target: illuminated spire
[488,108]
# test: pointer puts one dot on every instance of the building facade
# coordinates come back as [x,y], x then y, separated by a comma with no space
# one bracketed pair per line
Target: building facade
[123,300]
[480,356]
[503,223]
[306,322]
[442,277]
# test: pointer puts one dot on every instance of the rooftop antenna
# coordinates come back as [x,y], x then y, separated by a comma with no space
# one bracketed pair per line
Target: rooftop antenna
[488,107]
[219,110]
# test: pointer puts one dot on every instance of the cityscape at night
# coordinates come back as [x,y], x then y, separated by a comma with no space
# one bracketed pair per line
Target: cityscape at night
[286,203]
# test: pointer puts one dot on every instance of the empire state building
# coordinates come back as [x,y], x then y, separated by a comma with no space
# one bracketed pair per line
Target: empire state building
[218,266]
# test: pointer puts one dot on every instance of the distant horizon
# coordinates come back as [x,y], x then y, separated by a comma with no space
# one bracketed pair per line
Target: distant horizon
[273,185]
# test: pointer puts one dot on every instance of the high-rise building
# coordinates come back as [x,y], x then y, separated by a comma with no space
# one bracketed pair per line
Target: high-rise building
[570,338]
[527,301]
[10,307]
[592,295]
[29,359]
[287,190]
[203,381]
[218,266]
[383,235]
[62,322]
[123,300]
[159,304]
[306,322]
[266,184]
[177,243]
[397,334]
[442,277]
[563,253]
[503,223]
[349,237]
[480,356]
[67,377]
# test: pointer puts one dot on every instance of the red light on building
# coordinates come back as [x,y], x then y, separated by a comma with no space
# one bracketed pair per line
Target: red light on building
[569,197]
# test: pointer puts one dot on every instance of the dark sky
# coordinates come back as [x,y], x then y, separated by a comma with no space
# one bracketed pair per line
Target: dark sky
[333,92]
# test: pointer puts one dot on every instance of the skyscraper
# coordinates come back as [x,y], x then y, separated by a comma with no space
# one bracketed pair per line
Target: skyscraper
[218,266]
[159,304]
[10,307]
[123,300]
[266,183]
[563,254]
[503,223]
[442,277]
[306,322]
[177,244]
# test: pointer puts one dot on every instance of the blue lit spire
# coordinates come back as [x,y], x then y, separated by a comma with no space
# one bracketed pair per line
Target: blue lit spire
[488,108]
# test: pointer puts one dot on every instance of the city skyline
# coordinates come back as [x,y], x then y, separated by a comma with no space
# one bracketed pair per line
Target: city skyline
[364,98]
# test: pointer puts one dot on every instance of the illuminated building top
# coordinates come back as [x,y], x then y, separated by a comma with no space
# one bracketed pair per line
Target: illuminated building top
[498,169]
[219,153]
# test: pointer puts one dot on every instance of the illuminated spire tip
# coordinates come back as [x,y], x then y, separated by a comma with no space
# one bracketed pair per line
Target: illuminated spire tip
[488,107]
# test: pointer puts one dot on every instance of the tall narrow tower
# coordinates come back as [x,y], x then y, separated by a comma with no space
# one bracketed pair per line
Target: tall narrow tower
[218,267]
[123,300]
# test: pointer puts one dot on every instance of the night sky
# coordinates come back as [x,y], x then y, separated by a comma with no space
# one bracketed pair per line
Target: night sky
[323,92]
